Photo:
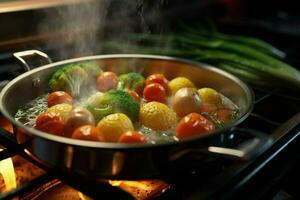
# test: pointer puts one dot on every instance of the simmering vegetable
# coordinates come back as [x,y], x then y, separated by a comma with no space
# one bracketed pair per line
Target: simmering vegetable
[133,81]
[114,125]
[132,137]
[59,97]
[185,101]
[158,78]
[166,110]
[61,109]
[50,122]
[209,96]
[178,83]
[78,117]
[106,81]
[193,124]
[114,101]
[88,132]
[70,78]
[157,116]
[155,92]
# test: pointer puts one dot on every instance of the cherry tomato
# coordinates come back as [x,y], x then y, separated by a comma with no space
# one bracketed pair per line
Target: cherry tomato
[78,117]
[50,123]
[134,94]
[154,92]
[88,132]
[193,124]
[62,109]
[158,78]
[106,81]
[59,97]
[132,137]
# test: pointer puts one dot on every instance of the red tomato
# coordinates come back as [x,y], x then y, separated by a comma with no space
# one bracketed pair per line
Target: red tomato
[158,78]
[154,92]
[88,132]
[134,94]
[132,137]
[59,97]
[50,123]
[193,124]
[106,81]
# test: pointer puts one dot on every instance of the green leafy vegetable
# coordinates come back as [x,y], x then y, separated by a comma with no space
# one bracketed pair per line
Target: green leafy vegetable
[132,80]
[70,79]
[114,101]
[91,68]
[73,77]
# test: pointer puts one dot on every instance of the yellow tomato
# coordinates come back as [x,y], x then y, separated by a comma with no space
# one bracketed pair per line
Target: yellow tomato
[62,109]
[178,83]
[114,125]
[157,116]
[209,96]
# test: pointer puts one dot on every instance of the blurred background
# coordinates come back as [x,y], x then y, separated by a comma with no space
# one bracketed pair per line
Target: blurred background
[31,23]
[73,28]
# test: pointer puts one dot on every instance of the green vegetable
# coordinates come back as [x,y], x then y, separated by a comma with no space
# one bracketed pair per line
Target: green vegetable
[245,74]
[114,101]
[91,68]
[211,47]
[132,80]
[249,58]
[235,114]
[70,78]
[245,40]
[289,75]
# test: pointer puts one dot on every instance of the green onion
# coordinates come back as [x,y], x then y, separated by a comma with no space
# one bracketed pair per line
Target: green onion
[252,59]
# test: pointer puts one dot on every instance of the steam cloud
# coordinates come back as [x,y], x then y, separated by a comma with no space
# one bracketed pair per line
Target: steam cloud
[82,25]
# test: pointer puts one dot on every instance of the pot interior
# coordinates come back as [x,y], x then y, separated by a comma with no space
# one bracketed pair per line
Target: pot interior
[30,85]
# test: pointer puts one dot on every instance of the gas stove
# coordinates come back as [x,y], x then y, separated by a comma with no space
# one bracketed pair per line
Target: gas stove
[268,176]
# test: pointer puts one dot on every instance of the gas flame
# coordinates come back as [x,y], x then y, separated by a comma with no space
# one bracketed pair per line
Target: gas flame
[8,173]
[141,189]
[82,196]
[136,184]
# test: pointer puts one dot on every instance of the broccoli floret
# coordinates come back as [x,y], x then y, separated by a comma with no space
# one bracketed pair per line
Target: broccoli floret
[132,80]
[70,78]
[114,101]
[91,68]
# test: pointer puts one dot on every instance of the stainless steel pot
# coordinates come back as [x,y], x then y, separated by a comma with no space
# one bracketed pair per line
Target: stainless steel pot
[130,161]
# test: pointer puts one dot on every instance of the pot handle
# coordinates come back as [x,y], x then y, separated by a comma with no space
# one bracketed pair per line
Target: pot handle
[22,56]
[254,143]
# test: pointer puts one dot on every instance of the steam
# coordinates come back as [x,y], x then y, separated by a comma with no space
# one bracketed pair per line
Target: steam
[83,27]
[76,25]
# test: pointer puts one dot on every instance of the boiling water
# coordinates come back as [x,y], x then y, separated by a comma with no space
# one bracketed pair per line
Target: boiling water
[27,116]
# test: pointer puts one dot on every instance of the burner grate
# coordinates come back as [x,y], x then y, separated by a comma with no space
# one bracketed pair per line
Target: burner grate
[92,188]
